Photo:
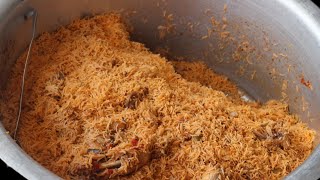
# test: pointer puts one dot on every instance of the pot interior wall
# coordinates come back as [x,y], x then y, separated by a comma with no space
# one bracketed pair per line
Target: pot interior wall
[263,46]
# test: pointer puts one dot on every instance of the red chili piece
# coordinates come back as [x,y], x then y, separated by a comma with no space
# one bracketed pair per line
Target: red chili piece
[134,142]
[110,171]
[96,166]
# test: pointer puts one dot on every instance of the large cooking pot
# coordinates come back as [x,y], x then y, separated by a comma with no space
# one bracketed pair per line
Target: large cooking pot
[273,53]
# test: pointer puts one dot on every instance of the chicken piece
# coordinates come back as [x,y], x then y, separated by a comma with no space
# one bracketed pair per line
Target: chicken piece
[127,164]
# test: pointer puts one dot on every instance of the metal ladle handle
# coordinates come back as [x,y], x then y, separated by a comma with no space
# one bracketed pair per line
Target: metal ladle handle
[34,23]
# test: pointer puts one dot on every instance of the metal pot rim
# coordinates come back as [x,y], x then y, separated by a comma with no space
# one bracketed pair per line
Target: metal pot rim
[307,13]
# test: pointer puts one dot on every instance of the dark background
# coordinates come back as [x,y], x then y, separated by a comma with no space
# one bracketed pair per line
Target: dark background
[11,174]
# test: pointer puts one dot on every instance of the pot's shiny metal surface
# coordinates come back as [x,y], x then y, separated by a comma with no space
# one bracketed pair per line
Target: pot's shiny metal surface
[284,36]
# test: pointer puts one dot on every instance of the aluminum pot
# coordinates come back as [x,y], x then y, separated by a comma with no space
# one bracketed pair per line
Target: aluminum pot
[271,49]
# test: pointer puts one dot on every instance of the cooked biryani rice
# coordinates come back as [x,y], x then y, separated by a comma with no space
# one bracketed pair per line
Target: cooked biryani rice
[98,105]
